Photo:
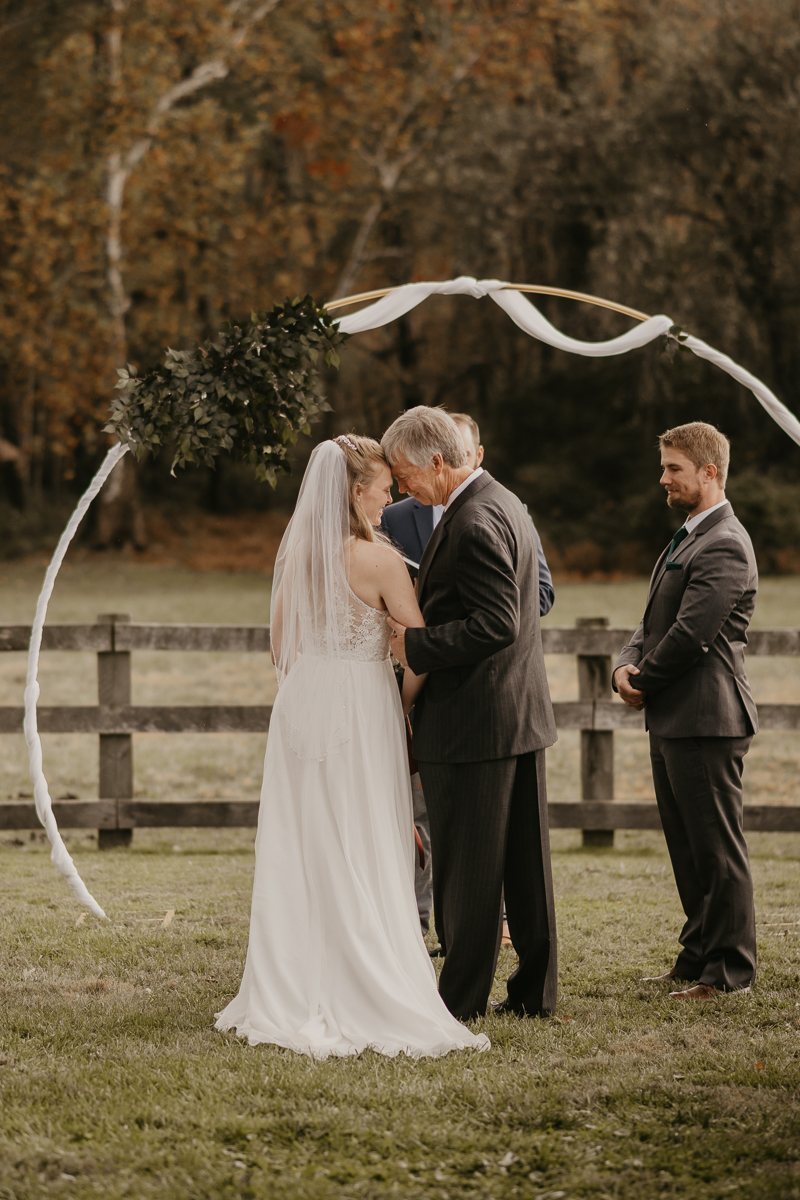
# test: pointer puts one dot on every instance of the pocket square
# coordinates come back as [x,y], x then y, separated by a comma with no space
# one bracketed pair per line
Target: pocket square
[673,566]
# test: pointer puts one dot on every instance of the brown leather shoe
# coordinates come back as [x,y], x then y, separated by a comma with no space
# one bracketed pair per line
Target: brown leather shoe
[700,991]
[667,977]
[704,991]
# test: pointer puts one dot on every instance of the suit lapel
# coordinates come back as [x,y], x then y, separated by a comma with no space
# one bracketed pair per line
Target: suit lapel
[698,531]
[440,532]
[423,519]
[431,548]
[658,571]
[661,566]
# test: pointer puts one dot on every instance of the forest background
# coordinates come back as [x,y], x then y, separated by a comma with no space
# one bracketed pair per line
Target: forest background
[166,166]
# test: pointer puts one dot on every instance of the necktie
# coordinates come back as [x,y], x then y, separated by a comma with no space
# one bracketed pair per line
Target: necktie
[682,533]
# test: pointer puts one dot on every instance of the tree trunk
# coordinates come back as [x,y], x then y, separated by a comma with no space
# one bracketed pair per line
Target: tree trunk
[120,518]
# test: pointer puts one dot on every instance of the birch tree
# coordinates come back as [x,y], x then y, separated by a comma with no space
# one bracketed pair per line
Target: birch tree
[120,513]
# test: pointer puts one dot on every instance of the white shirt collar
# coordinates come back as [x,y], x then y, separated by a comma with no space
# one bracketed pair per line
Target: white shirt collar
[692,522]
[438,509]
[462,487]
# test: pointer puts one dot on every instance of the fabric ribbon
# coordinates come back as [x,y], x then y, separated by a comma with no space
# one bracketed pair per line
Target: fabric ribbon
[525,314]
[41,793]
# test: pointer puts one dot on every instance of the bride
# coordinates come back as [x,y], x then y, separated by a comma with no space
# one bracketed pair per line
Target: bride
[336,963]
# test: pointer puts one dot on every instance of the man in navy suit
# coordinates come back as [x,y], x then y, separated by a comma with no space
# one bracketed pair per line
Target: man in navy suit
[409,524]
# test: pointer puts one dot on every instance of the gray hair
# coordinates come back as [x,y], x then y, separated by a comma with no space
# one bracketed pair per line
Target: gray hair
[422,432]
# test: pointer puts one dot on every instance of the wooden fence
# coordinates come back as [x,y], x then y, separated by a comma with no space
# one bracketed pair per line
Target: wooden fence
[114,719]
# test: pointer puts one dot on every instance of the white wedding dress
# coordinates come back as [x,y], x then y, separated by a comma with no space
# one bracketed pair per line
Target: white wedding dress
[336,962]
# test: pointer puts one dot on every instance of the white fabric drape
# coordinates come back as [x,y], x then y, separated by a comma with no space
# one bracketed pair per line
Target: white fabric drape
[767,399]
[523,313]
[41,793]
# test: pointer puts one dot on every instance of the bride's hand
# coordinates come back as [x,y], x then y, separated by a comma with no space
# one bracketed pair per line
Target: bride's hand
[398,640]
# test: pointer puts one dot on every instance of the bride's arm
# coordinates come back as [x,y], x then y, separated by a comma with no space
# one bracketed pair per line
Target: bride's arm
[397,593]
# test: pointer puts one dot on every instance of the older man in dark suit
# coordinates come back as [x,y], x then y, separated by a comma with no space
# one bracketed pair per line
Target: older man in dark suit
[483,720]
[410,524]
[685,667]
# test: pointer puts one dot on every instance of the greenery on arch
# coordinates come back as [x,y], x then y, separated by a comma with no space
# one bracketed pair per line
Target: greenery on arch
[250,394]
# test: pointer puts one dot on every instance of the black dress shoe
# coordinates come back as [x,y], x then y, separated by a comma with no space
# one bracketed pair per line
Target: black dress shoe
[505,1008]
[436,952]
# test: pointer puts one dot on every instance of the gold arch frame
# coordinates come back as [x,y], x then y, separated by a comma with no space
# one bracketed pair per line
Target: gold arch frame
[538,289]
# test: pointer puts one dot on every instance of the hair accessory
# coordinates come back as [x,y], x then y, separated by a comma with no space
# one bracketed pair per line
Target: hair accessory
[347,441]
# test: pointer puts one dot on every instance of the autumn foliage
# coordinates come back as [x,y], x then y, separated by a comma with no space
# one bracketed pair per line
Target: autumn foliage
[169,166]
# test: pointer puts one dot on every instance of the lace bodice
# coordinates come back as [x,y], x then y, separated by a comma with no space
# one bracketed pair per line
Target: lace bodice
[367,636]
[368,633]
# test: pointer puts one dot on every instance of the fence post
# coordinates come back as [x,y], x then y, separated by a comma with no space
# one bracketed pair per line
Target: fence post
[597,747]
[116,749]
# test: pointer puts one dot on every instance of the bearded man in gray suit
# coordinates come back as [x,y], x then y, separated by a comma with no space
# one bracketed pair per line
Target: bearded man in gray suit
[685,667]
[482,720]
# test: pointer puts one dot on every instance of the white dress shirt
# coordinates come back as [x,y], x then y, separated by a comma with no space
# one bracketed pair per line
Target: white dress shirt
[438,509]
[692,522]
[461,487]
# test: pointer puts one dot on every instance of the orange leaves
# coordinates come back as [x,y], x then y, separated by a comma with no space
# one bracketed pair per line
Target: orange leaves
[322,168]
[295,128]
[341,143]
[359,36]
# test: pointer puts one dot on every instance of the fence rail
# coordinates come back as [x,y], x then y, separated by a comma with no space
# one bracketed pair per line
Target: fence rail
[594,715]
[114,719]
[591,640]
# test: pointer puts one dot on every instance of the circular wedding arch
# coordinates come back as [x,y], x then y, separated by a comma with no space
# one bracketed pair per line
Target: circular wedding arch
[388,304]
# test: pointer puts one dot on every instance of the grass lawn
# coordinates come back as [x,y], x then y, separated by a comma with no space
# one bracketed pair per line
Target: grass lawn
[113,1083]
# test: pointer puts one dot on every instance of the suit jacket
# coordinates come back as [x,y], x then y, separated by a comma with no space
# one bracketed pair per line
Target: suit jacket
[689,646]
[409,524]
[487,695]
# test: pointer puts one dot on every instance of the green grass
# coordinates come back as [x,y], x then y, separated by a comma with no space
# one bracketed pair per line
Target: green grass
[114,1083]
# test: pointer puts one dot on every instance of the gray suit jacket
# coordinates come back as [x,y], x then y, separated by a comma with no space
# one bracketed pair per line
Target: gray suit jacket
[689,646]
[487,695]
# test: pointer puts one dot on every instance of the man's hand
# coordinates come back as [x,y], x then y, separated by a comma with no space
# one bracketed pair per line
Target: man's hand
[622,677]
[398,640]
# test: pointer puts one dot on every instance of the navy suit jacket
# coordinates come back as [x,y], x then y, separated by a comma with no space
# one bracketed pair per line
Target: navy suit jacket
[409,524]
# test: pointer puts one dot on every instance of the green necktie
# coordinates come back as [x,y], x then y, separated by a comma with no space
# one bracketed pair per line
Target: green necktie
[682,533]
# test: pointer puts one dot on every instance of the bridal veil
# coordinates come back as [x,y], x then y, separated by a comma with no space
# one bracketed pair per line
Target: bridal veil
[310,610]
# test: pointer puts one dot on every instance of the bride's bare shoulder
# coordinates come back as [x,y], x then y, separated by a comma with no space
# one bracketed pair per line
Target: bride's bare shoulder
[378,576]
[374,551]
[375,555]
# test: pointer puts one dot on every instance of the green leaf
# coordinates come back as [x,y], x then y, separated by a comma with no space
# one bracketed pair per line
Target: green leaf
[249,394]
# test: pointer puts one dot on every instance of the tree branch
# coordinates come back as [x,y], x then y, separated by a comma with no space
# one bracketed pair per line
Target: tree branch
[357,252]
[389,171]
[119,166]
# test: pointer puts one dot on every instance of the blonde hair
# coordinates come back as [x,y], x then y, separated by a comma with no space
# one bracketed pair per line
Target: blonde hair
[364,458]
[702,444]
